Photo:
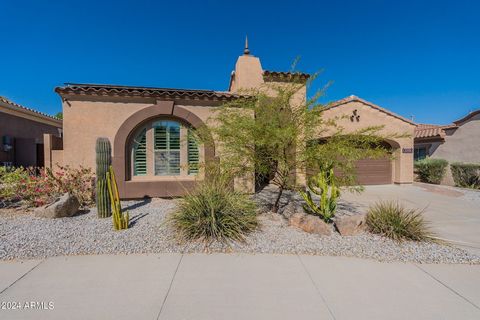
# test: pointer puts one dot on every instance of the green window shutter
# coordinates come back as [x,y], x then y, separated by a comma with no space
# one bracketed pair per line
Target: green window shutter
[140,154]
[193,154]
[167,148]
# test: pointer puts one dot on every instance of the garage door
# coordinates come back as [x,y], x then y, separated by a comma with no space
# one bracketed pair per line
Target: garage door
[374,171]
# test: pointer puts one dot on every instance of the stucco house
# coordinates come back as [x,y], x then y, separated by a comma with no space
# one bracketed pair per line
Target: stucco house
[149,131]
[21,134]
[455,142]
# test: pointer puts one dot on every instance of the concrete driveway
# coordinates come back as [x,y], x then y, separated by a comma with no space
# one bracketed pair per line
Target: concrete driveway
[228,286]
[454,213]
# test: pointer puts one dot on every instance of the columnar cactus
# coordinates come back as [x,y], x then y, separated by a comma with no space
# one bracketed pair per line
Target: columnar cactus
[323,185]
[120,219]
[103,160]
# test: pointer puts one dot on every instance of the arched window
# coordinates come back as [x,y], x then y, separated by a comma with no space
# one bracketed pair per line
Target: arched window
[164,148]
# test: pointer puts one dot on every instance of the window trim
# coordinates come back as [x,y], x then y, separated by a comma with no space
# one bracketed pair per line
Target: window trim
[415,152]
[150,153]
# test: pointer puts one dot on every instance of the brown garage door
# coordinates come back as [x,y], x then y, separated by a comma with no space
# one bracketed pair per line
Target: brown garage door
[374,171]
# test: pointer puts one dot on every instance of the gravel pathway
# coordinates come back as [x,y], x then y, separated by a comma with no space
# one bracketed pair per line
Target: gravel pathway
[23,236]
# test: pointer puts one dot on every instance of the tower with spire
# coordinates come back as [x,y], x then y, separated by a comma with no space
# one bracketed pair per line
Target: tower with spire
[248,73]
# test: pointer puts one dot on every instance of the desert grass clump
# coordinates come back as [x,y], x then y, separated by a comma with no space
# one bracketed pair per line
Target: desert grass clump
[214,211]
[392,220]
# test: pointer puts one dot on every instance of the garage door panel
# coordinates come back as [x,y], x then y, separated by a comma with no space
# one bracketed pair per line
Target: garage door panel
[374,171]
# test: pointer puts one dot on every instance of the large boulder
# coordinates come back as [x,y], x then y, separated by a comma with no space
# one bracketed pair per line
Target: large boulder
[310,224]
[65,206]
[351,225]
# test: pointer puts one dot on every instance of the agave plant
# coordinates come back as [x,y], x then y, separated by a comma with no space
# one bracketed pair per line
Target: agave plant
[322,185]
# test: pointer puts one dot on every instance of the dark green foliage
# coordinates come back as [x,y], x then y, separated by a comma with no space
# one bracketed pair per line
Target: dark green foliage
[431,170]
[103,151]
[392,220]
[466,175]
[213,211]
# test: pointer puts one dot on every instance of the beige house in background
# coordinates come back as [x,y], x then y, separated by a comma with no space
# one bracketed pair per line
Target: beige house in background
[456,142]
[149,131]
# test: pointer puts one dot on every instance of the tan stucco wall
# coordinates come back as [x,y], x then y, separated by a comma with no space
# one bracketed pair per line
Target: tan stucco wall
[402,165]
[86,120]
[463,145]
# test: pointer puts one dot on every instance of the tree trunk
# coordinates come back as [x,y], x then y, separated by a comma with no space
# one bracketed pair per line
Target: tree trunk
[276,205]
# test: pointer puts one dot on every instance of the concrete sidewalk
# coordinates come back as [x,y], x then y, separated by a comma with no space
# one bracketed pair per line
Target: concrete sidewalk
[227,286]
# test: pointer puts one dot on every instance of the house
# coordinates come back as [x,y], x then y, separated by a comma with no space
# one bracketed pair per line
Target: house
[456,142]
[149,130]
[21,134]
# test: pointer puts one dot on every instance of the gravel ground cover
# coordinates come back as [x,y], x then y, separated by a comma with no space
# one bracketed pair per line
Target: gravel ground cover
[23,236]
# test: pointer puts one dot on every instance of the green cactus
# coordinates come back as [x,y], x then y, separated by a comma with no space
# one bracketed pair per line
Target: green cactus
[103,160]
[120,220]
[323,185]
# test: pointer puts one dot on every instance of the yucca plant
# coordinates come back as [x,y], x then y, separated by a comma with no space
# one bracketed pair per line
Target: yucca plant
[322,185]
[214,211]
[392,220]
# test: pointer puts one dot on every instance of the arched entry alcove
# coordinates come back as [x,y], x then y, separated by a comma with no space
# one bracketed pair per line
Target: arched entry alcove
[170,185]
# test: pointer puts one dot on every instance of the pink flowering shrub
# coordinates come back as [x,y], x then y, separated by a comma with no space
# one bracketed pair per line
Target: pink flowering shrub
[37,187]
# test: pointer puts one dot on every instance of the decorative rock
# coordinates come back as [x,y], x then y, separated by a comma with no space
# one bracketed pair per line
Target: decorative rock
[289,210]
[65,206]
[296,220]
[351,225]
[310,224]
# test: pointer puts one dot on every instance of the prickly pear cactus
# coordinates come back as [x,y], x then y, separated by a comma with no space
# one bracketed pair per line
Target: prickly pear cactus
[103,151]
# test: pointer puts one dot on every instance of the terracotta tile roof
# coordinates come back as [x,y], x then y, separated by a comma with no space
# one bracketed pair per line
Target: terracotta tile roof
[278,75]
[353,98]
[27,110]
[432,130]
[429,131]
[131,91]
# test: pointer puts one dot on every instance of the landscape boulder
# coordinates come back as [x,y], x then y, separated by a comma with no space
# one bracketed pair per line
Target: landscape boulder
[65,206]
[310,224]
[291,208]
[351,225]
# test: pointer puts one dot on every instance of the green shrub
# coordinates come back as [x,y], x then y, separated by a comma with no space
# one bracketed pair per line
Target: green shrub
[323,185]
[466,175]
[392,220]
[12,181]
[213,211]
[431,170]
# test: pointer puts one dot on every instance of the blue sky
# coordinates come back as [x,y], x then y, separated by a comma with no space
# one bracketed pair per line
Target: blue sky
[419,58]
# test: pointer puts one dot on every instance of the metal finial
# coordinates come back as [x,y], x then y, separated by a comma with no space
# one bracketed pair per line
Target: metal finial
[246,51]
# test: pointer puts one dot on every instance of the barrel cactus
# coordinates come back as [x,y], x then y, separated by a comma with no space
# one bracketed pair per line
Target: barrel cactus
[103,160]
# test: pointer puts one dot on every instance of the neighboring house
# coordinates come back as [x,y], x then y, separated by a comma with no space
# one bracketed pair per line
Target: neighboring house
[149,130]
[21,134]
[456,142]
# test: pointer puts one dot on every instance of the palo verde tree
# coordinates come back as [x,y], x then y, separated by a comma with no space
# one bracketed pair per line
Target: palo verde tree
[274,130]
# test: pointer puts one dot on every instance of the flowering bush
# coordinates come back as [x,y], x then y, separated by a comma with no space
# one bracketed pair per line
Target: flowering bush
[37,187]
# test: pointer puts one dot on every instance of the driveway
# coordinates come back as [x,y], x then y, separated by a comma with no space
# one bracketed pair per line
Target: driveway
[229,286]
[454,213]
